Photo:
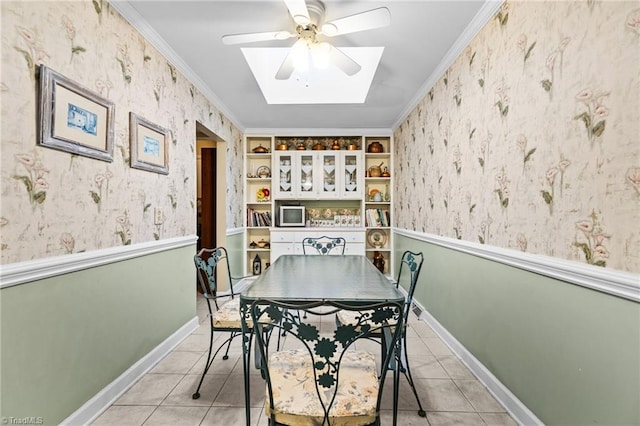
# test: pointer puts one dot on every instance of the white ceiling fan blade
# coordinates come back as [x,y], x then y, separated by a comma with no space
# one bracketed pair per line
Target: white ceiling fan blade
[253,37]
[298,10]
[287,67]
[343,61]
[375,18]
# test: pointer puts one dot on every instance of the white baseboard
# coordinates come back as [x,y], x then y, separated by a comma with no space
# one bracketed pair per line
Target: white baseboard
[500,392]
[110,393]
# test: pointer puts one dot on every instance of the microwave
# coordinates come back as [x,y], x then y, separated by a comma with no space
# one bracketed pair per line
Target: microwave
[292,216]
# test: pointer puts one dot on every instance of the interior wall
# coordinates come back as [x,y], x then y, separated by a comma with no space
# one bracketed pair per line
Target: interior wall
[570,354]
[67,337]
[95,47]
[529,141]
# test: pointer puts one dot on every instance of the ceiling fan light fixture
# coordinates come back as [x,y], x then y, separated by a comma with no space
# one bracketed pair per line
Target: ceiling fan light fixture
[300,55]
[321,55]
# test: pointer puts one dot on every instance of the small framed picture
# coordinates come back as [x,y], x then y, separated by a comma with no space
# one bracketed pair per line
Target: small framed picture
[149,145]
[72,118]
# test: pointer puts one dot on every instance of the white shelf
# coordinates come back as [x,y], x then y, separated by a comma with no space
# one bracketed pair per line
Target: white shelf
[360,200]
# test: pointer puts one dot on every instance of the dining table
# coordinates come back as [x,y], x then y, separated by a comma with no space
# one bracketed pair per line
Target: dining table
[351,280]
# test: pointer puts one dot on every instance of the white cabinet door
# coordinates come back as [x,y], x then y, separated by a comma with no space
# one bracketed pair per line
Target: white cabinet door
[297,175]
[312,175]
[352,175]
[305,171]
[342,175]
[283,175]
[278,249]
[282,242]
[329,177]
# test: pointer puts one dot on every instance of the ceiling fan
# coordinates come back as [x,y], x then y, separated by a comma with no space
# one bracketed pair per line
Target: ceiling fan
[308,18]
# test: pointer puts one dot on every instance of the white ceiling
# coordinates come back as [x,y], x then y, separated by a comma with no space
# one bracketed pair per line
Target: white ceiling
[424,37]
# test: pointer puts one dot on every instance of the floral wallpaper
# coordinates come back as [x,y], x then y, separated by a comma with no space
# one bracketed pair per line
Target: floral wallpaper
[531,139]
[55,203]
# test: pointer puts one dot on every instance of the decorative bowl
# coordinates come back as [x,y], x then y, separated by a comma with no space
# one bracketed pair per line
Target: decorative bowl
[375,147]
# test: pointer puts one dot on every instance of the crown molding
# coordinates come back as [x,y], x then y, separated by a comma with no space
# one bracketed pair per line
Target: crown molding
[616,283]
[484,15]
[129,13]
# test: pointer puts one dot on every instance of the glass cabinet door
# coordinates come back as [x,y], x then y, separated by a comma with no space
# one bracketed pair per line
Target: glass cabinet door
[284,176]
[328,186]
[305,182]
[351,170]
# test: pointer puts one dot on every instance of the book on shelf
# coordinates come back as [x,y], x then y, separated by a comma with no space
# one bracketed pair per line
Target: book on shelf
[377,217]
[258,218]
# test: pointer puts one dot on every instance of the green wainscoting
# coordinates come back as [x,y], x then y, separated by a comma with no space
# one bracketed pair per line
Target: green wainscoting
[234,246]
[570,354]
[67,337]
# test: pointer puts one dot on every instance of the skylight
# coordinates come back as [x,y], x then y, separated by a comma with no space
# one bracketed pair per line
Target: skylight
[328,86]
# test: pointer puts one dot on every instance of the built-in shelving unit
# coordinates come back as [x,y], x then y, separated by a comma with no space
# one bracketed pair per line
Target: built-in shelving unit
[377,200]
[258,200]
[337,186]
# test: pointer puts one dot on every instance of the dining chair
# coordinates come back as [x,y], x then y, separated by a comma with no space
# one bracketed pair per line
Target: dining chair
[226,317]
[411,263]
[324,379]
[323,245]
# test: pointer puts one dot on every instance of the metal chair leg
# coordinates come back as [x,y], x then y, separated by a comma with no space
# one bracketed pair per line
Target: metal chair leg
[210,357]
[407,373]
[396,392]
[226,353]
[196,394]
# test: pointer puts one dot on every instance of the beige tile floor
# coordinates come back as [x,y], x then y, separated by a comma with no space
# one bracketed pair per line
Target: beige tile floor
[449,392]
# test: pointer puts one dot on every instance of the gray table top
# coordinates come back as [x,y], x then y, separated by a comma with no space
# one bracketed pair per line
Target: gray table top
[299,278]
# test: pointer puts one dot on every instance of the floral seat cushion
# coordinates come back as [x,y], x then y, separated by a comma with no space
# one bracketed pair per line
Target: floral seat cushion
[296,401]
[228,315]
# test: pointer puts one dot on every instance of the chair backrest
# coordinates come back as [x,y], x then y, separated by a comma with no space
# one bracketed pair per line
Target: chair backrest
[323,245]
[207,262]
[326,368]
[410,264]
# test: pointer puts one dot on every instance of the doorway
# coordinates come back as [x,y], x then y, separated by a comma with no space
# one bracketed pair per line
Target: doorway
[207,198]
[210,198]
